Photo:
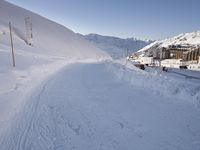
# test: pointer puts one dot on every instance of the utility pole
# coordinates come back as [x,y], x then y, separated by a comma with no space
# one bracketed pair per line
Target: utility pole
[11,41]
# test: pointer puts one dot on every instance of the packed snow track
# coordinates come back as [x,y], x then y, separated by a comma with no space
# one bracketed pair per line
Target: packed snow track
[87,107]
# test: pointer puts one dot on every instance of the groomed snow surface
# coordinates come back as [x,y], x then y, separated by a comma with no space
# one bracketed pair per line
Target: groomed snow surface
[87,106]
[66,94]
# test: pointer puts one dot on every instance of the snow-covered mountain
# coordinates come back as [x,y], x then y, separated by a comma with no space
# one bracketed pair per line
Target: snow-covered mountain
[116,47]
[184,40]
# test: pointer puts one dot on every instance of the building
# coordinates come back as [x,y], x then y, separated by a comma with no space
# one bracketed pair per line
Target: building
[173,52]
[192,55]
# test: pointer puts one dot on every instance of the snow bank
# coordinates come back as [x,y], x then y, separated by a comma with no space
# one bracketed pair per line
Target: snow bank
[174,89]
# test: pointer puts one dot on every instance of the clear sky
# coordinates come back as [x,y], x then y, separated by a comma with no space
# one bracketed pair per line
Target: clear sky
[144,19]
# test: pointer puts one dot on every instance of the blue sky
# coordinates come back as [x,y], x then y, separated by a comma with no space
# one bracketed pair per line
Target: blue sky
[144,19]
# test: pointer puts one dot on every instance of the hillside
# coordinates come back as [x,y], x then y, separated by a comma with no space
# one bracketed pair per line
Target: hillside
[185,40]
[116,47]
[48,37]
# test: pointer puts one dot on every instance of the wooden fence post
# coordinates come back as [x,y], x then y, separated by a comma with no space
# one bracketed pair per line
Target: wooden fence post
[11,41]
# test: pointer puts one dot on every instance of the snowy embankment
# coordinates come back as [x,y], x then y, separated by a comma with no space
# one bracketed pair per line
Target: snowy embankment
[167,84]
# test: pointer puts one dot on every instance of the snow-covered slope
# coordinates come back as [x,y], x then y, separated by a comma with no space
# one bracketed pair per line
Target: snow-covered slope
[184,39]
[48,37]
[116,47]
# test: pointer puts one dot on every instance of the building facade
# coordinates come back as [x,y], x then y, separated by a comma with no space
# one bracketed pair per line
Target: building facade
[192,55]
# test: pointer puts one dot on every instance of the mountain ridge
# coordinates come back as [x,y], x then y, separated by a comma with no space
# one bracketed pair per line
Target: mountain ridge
[115,46]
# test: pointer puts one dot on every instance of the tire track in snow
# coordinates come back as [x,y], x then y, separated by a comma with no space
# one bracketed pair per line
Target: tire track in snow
[31,118]
[31,122]
[25,122]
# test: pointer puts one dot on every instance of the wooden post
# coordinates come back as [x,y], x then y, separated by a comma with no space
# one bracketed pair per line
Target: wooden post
[11,41]
[126,57]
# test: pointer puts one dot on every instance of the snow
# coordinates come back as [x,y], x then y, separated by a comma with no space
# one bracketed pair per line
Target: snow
[192,38]
[54,47]
[194,66]
[80,109]
[65,93]
[148,46]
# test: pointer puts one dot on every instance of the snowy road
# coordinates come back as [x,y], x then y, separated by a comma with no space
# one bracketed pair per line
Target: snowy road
[87,107]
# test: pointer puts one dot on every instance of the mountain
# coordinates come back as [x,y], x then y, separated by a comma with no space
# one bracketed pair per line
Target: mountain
[182,40]
[48,37]
[116,47]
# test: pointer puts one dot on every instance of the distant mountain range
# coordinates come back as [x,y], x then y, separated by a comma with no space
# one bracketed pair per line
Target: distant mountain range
[116,47]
